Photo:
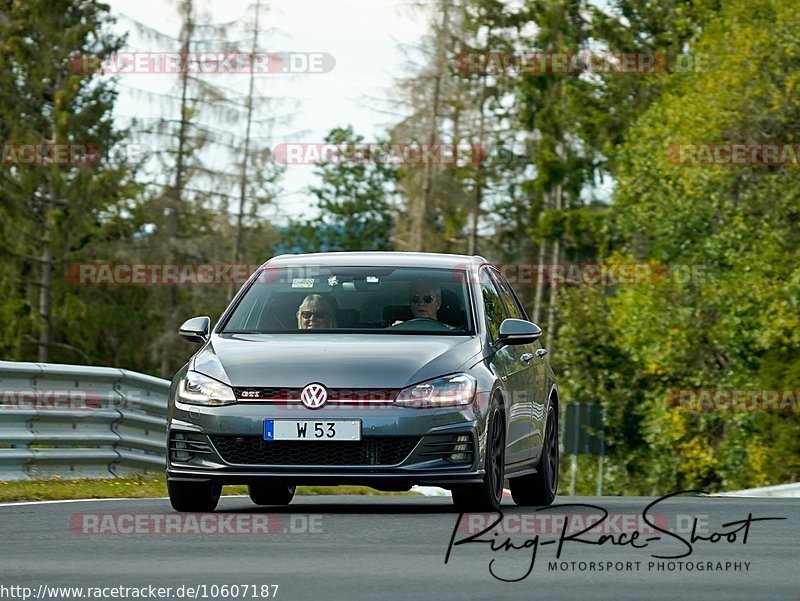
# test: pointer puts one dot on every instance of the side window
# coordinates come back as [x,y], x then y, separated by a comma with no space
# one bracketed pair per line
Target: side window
[493,305]
[510,300]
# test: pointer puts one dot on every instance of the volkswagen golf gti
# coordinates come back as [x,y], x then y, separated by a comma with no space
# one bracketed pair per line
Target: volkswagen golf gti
[386,369]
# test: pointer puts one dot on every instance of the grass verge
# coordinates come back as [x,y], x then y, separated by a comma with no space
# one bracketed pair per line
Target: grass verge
[136,487]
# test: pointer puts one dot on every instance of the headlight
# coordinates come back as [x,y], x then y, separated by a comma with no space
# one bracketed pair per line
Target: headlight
[198,389]
[449,391]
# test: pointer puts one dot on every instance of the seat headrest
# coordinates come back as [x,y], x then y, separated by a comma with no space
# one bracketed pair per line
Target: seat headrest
[348,318]
[450,312]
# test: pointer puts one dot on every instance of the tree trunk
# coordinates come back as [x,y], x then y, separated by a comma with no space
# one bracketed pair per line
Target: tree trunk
[46,274]
[552,306]
[245,159]
[540,282]
[421,218]
[479,174]
[176,199]
[541,273]
[45,287]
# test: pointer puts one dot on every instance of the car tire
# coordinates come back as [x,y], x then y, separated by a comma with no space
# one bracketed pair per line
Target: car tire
[271,494]
[488,495]
[540,489]
[194,496]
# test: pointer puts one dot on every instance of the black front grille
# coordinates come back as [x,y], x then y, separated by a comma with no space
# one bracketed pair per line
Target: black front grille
[253,450]
[268,394]
[364,395]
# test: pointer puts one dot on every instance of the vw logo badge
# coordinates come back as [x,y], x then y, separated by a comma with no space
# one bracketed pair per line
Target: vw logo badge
[314,396]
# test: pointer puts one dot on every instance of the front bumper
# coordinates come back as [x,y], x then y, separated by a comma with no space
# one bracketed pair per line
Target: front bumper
[399,447]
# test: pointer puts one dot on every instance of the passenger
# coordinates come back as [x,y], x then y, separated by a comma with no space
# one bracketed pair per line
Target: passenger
[316,313]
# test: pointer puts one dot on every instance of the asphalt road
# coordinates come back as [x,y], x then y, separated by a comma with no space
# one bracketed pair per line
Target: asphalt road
[346,547]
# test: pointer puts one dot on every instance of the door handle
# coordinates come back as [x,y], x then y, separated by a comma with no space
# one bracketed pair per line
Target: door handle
[526,357]
[541,352]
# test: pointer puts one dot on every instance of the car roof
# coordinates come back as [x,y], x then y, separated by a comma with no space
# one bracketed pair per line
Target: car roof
[378,259]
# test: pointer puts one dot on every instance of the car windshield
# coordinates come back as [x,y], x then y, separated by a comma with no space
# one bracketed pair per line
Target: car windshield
[393,300]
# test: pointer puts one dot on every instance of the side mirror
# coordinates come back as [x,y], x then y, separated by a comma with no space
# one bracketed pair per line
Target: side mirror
[517,331]
[195,329]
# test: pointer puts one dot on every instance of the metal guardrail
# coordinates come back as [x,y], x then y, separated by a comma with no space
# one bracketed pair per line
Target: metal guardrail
[76,421]
[778,490]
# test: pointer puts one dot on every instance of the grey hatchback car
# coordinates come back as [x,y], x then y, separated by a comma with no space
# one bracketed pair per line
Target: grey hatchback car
[375,368]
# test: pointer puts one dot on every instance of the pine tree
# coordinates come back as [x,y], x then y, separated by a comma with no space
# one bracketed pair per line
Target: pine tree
[49,210]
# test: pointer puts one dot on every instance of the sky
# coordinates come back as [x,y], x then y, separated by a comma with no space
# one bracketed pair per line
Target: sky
[366,38]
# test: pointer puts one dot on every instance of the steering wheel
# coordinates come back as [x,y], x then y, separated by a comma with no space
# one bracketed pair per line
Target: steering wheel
[422,323]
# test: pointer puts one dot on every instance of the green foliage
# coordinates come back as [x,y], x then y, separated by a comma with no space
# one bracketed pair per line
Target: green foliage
[725,238]
[353,202]
[49,212]
[737,325]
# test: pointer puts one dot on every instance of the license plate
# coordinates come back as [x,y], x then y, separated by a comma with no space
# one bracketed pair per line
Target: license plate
[309,429]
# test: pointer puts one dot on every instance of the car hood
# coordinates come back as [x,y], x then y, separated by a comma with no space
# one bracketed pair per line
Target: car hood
[343,361]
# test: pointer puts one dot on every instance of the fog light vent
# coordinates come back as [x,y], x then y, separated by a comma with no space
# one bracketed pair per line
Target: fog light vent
[462,450]
[179,443]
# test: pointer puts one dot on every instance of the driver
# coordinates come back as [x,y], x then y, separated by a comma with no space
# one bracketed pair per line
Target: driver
[424,299]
